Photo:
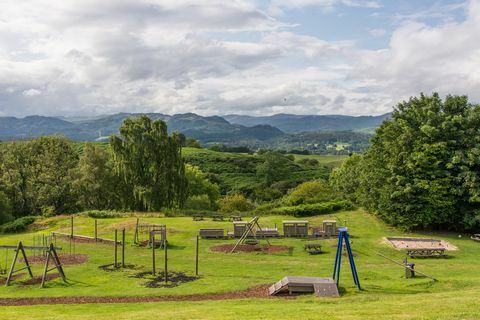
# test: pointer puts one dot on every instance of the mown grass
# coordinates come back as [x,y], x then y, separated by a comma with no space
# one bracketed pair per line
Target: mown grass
[386,293]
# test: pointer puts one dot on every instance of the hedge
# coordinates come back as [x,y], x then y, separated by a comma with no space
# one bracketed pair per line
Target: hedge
[17,225]
[306,210]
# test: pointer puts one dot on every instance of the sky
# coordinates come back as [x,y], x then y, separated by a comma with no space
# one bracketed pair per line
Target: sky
[252,57]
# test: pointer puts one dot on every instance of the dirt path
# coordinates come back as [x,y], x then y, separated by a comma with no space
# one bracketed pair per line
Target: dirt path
[260,291]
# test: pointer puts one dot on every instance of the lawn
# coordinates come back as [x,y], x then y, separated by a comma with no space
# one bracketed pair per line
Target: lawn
[386,293]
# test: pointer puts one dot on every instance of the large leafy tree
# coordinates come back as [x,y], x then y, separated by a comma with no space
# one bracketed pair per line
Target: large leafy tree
[95,184]
[422,169]
[52,159]
[16,177]
[35,175]
[150,161]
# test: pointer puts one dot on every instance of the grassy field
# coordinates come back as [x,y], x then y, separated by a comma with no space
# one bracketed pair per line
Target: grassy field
[386,293]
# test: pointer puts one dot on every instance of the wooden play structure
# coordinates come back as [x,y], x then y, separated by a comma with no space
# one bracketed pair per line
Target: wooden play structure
[239,228]
[328,229]
[250,230]
[267,233]
[157,234]
[295,228]
[50,255]
[212,233]
[321,287]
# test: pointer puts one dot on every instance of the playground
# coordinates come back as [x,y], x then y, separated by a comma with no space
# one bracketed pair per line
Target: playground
[224,284]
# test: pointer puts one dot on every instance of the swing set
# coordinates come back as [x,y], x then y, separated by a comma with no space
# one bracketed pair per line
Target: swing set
[51,255]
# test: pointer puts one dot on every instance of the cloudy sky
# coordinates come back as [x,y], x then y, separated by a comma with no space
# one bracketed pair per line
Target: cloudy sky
[255,57]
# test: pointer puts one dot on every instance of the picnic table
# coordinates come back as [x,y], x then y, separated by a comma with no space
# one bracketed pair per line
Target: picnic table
[217,217]
[426,252]
[197,217]
[313,248]
[235,218]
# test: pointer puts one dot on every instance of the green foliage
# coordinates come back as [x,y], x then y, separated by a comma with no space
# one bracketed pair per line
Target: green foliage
[36,175]
[306,210]
[345,179]
[423,167]
[5,208]
[150,161]
[199,185]
[275,167]
[95,184]
[199,202]
[17,225]
[103,214]
[236,202]
[309,192]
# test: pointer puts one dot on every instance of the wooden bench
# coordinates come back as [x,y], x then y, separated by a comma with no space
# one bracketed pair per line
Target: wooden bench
[313,248]
[235,218]
[217,217]
[426,252]
[197,217]
[211,233]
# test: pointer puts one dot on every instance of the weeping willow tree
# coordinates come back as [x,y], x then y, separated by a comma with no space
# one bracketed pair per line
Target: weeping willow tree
[151,163]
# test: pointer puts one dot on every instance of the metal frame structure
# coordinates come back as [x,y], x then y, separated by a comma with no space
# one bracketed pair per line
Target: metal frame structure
[343,237]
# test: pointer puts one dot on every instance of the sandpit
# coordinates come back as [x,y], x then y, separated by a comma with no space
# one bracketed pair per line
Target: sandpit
[420,243]
[227,248]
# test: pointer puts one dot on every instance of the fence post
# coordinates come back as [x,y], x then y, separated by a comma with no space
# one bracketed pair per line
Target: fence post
[166,259]
[152,236]
[116,244]
[123,248]
[96,234]
[196,258]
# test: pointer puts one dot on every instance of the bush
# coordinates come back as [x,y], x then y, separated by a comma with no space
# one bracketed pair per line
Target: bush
[103,214]
[235,202]
[201,202]
[17,225]
[306,210]
[310,192]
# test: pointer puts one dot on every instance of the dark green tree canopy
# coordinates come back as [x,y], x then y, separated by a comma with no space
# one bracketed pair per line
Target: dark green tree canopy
[422,169]
[150,161]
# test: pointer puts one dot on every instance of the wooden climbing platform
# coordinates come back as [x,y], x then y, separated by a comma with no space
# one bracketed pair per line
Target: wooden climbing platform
[322,287]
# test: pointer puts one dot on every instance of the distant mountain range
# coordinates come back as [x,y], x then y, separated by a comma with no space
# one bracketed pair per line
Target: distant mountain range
[229,129]
[292,123]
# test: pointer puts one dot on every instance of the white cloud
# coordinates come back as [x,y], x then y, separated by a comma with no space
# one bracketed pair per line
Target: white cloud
[31,92]
[217,58]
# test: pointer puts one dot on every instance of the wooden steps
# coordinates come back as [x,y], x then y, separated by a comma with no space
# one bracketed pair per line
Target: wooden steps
[322,287]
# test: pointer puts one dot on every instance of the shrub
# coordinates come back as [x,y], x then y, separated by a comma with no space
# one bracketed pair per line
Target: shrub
[235,202]
[306,210]
[200,202]
[103,214]
[17,225]
[310,192]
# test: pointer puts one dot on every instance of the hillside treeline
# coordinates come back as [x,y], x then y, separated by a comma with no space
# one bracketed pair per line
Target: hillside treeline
[422,169]
[141,169]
